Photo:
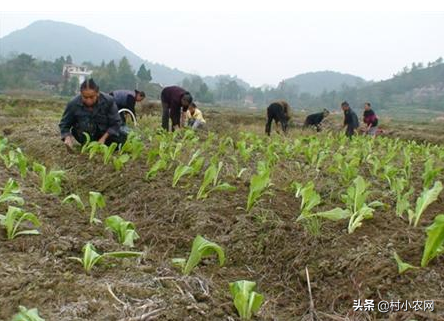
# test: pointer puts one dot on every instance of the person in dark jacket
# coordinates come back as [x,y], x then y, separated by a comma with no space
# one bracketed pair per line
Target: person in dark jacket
[370,120]
[94,113]
[127,99]
[279,112]
[350,119]
[315,120]
[175,101]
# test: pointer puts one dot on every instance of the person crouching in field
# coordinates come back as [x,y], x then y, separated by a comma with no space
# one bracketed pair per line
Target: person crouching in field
[315,120]
[194,117]
[279,112]
[370,120]
[175,102]
[94,113]
[127,99]
[351,121]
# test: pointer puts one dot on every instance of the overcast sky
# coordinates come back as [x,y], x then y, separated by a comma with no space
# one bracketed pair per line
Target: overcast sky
[265,47]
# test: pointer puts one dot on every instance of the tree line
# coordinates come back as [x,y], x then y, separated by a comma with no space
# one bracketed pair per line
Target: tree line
[24,72]
[404,89]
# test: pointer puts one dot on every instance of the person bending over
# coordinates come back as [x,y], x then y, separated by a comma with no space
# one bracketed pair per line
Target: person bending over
[94,113]
[127,99]
[279,112]
[175,101]
[315,120]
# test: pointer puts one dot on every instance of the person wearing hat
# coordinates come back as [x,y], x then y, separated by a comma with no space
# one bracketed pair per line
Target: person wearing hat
[175,102]
[351,121]
[279,112]
[315,120]
[126,99]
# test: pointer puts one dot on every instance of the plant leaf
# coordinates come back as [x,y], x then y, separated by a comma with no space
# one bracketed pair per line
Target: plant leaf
[179,262]
[202,248]
[76,199]
[27,315]
[335,214]
[435,240]
[123,254]
[427,197]
[402,266]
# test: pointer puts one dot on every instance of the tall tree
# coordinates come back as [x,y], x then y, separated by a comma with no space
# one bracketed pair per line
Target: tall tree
[143,74]
[126,76]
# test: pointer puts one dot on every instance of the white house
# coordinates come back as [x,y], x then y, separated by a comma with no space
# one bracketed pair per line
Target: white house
[81,72]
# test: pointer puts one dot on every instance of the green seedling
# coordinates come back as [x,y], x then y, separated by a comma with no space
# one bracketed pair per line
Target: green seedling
[427,197]
[133,145]
[125,230]
[76,199]
[402,266]
[430,173]
[27,315]
[96,200]
[355,201]
[246,300]
[91,257]
[85,146]
[211,177]
[51,182]
[120,161]
[258,184]
[201,248]
[434,245]
[10,192]
[14,218]
[402,198]
[108,152]
[160,165]
[181,170]
[16,157]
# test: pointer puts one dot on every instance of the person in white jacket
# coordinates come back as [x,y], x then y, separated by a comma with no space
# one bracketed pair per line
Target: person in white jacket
[194,117]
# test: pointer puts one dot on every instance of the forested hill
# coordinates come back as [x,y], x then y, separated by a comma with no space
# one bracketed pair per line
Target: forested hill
[315,83]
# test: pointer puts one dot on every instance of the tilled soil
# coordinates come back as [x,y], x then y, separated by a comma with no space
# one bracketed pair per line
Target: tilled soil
[266,246]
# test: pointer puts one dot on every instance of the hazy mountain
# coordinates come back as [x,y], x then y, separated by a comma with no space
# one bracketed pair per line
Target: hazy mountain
[419,87]
[49,40]
[415,93]
[212,81]
[316,82]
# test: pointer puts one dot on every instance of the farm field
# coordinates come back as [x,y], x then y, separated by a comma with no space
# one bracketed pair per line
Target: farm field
[279,207]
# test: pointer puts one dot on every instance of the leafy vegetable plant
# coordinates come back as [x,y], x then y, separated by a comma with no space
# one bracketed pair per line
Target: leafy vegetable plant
[211,177]
[27,315]
[96,200]
[355,200]
[430,173]
[258,184]
[14,218]
[246,300]
[434,245]
[10,192]
[51,182]
[16,157]
[201,248]
[91,257]
[120,160]
[160,165]
[427,197]
[74,198]
[402,266]
[125,230]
